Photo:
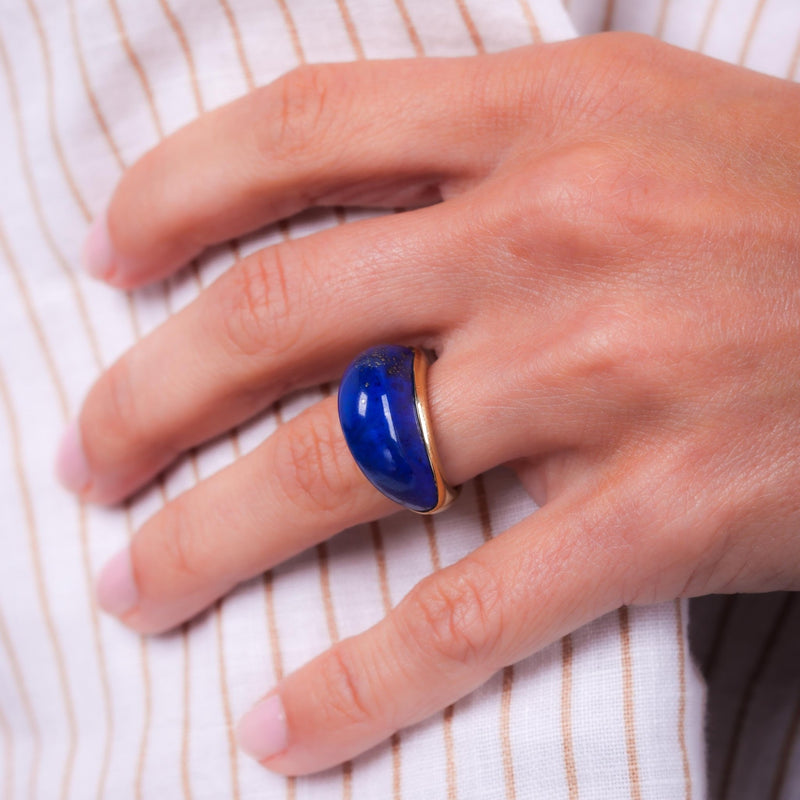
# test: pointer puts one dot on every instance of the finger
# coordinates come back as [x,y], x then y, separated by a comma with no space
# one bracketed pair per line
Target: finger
[289,316]
[377,133]
[299,487]
[511,597]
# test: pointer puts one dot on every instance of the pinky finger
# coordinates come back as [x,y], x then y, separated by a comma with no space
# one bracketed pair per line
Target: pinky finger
[514,595]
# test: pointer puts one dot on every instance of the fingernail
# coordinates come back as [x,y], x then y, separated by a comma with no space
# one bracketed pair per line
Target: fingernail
[116,588]
[71,465]
[98,253]
[262,731]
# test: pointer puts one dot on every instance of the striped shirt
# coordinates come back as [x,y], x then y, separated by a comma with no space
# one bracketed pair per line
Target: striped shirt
[618,709]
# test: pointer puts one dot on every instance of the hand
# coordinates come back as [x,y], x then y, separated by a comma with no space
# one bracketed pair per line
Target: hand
[612,286]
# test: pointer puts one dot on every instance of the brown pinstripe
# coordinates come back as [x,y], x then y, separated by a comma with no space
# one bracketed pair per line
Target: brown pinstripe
[681,635]
[25,698]
[570,769]
[628,704]
[110,139]
[41,588]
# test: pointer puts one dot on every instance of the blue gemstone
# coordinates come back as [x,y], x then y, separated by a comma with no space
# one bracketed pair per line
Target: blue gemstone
[379,420]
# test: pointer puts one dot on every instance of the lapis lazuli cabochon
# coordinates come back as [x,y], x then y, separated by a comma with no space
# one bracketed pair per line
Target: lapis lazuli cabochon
[379,420]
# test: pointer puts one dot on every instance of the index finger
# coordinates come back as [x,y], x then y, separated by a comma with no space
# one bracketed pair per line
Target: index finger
[385,133]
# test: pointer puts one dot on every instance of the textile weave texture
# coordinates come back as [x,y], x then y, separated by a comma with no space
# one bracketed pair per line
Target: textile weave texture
[90,710]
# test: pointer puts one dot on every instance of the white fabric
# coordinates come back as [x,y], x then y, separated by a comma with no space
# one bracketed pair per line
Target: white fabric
[88,709]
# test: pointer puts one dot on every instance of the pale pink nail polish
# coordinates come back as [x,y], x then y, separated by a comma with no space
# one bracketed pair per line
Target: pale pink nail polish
[72,468]
[98,253]
[262,731]
[116,588]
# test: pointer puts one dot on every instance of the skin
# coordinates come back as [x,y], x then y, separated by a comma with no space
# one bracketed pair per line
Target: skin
[620,220]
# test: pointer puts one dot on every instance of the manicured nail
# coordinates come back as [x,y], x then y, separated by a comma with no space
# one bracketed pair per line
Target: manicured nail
[262,731]
[98,253]
[116,588]
[71,465]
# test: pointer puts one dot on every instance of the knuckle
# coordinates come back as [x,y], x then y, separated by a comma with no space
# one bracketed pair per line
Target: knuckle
[597,199]
[111,419]
[256,309]
[147,219]
[624,47]
[629,49]
[344,687]
[314,467]
[134,199]
[608,356]
[301,107]
[607,77]
[181,551]
[580,180]
[455,615]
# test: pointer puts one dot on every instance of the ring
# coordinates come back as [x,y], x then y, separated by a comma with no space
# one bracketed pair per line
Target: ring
[383,411]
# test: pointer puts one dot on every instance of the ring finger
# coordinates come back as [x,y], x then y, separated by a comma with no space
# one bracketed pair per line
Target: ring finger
[286,317]
[298,488]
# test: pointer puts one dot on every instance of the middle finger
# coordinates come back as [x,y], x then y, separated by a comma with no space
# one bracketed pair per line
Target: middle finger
[286,317]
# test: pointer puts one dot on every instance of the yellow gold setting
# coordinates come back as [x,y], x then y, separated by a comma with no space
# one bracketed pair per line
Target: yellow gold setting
[446,493]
